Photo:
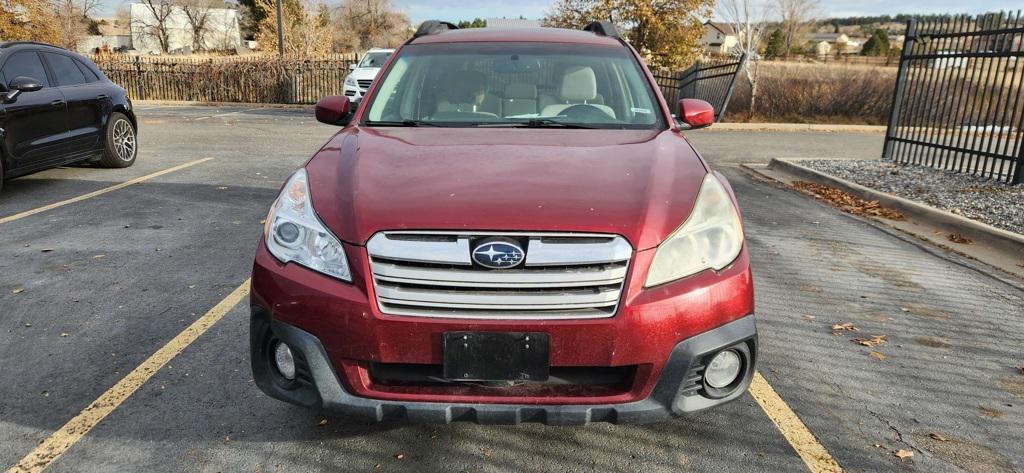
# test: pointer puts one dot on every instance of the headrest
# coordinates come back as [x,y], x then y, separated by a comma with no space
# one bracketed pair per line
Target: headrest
[579,83]
[521,91]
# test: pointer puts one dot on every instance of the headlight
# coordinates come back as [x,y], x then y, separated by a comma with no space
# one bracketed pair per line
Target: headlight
[294,234]
[350,81]
[711,238]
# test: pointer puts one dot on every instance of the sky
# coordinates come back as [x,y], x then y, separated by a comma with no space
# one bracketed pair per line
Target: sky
[455,10]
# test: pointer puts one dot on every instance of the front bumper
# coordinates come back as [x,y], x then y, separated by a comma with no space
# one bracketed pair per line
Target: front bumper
[678,390]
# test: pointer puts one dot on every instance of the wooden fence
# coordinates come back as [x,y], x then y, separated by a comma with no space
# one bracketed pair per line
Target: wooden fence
[250,79]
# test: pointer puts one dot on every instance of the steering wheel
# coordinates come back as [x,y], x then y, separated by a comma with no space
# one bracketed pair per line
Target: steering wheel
[585,113]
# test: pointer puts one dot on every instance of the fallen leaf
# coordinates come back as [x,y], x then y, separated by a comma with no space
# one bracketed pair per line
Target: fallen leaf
[845,326]
[1021,368]
[847,202]
[878,445]
[323,422]
[990,412]
[901,454]
[222,188]
[905,309]
[262,221]
[99,256]
[46,250]
[64,334]
[876,355]
[400,456]
[809,318]
[18,290]
[28,325]
[870,342]
[938,436]
[958,238]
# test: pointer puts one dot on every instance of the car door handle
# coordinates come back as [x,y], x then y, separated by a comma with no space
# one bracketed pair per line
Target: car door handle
[57,103]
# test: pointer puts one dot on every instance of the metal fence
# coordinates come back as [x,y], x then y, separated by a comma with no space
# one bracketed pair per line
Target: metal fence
[711,80]
[959,98]
[252,79]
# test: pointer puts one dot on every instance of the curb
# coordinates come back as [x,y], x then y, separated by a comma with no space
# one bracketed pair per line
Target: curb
[973,229]
[186,103]
[797,127]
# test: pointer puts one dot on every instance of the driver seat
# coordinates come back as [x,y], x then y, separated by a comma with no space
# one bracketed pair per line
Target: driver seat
[579,87]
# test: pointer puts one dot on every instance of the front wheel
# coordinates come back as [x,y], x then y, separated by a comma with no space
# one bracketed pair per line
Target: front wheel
[121,145]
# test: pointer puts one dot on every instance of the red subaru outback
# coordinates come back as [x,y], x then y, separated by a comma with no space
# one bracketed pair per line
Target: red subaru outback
[510,228]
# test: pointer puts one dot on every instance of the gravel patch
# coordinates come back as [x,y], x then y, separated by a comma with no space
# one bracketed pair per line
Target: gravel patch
[992,202]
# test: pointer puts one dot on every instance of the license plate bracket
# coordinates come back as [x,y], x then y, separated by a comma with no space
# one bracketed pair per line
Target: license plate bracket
[496,356]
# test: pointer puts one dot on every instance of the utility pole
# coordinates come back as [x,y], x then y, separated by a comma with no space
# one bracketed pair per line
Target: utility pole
[280,29]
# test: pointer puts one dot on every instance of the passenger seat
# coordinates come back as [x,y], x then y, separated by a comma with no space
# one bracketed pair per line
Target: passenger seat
[520,99]
[579,86]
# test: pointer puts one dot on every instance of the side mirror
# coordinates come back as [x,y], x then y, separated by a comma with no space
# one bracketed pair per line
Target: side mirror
[333,110]
[696,113]
[352,66]
[21,84]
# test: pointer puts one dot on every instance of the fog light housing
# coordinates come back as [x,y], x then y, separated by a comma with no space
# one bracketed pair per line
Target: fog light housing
[284,361]
[723,370]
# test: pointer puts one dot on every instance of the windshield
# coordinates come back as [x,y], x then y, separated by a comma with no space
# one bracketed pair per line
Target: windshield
[515,84]
[374,59]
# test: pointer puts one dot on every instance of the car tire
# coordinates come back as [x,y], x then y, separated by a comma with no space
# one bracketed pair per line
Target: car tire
[121,145]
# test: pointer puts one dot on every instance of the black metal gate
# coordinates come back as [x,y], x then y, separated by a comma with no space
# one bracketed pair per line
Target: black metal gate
[711,80]
[959,98]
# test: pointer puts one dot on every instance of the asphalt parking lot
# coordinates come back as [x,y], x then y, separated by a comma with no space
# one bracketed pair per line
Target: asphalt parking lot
[92,287]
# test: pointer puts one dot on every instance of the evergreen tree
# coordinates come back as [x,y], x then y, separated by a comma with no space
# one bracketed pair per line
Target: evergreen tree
[775,45]
[877,45]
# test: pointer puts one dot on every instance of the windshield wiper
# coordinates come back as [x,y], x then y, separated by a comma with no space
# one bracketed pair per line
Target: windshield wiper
[409,123]
[537,123]
[547,122]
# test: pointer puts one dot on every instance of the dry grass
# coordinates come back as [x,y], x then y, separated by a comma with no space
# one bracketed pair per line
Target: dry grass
[816,93]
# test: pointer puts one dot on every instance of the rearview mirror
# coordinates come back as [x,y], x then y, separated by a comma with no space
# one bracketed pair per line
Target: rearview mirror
[352,66]
[696,113]
[333,110]
[21,84]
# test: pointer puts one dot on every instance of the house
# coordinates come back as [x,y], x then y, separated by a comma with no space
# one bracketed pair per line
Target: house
[719,38]
[838,42]
[112,37]
[222,30]
[823,49]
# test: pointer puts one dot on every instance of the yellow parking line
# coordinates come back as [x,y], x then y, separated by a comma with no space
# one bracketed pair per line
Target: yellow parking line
[55,445]
[27,213]
[814,455]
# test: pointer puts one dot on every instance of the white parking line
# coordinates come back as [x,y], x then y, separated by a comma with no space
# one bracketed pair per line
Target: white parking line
[28,213]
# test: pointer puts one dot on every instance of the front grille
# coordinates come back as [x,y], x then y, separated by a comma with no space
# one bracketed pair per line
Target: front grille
[564,276]
[364,83]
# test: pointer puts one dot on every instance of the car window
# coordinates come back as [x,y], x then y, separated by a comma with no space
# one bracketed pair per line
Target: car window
[65,70]
[374,59]
[90,76]
[27,64]
[526,84]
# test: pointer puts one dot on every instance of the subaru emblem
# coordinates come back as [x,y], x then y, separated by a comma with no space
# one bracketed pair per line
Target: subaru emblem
[498,254]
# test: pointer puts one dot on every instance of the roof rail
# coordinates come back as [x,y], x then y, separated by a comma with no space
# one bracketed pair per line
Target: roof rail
[17,43]
[430,27]
[602,28]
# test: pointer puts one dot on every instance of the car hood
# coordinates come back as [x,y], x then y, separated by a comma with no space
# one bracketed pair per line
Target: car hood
[638,184]
[362,73]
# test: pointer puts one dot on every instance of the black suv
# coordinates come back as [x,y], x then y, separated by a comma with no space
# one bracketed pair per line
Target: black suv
[58,108]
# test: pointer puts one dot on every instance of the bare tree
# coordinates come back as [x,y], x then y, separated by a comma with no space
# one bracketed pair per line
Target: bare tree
[197,13]
[73,16]
[794,14]
[155,23]
[749,20]
[369,23]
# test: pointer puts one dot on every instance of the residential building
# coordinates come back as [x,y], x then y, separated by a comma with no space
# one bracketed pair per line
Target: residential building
[222,30]
[719,38]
